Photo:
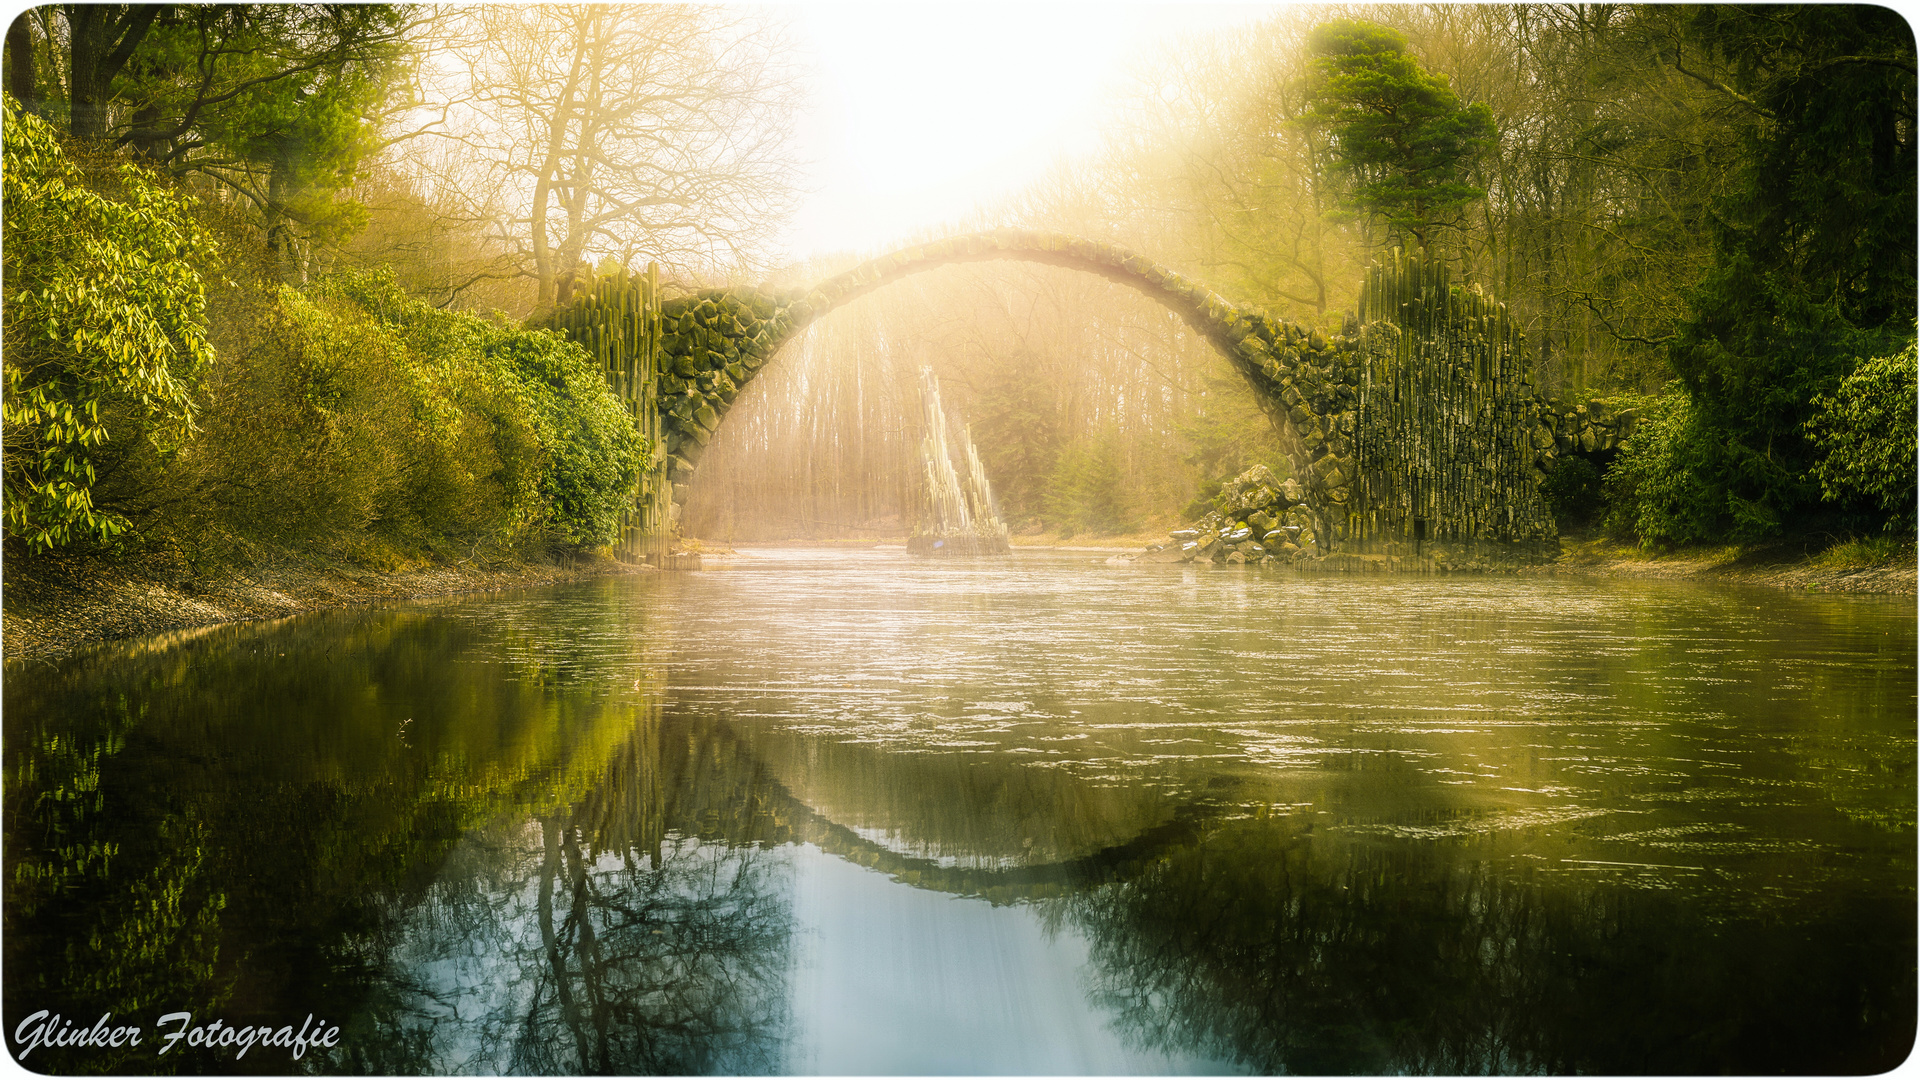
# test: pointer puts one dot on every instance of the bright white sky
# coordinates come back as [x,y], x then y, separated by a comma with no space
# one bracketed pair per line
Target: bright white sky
[921,111]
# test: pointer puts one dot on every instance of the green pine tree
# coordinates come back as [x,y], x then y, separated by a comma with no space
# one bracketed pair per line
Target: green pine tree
[1814,246]
[1401,137]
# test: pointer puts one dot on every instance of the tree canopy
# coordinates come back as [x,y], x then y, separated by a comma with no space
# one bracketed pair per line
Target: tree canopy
[1401,136]
[278,104]
[1814,242]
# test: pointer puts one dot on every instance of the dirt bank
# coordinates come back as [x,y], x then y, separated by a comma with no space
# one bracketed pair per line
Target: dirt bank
[1780,566]
[1841,568]
[53,605]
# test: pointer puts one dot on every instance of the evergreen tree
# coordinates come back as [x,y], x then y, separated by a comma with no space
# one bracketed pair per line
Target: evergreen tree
[1815,244]
[1401,137]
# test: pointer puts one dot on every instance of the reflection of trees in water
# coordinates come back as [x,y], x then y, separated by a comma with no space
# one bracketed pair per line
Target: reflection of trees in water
[590,941]
[625,911]
[1286,953]
[99,917]
[166,849]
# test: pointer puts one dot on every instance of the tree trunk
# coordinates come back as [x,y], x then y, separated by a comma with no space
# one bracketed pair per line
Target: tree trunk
[21,82]
[284,243]
[101,39]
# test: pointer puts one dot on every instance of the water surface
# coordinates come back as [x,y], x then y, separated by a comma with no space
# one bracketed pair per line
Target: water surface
[853,812]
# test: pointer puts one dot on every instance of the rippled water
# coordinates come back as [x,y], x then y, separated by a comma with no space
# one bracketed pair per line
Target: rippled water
[852,812]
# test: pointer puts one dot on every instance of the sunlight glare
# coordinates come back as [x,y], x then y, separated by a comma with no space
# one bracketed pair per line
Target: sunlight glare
[920,112]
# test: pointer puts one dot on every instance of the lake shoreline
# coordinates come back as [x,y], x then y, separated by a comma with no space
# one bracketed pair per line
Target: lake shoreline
[54,605]
[1775,566]
[1772,566]
[51,606]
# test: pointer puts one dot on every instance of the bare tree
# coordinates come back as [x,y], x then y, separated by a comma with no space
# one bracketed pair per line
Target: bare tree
[620,132]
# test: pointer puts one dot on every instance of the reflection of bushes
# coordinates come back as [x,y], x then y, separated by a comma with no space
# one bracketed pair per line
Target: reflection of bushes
[167,851]
[1285,954]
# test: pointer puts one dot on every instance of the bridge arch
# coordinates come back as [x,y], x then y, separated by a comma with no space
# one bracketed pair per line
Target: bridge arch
[715,342]
[1415,425]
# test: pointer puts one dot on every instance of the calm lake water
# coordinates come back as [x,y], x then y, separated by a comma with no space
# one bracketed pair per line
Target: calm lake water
[851,812]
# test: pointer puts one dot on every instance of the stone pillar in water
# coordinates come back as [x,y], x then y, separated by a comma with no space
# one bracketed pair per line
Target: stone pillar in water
[957,516]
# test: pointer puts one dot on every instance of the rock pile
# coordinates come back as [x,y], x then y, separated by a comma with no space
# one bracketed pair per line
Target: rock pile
[1260,520]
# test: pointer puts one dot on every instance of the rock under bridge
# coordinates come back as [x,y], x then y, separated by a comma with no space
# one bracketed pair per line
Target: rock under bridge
[1414,432]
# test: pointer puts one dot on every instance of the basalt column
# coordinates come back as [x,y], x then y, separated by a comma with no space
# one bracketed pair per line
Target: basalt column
[618,321]
[1447,463]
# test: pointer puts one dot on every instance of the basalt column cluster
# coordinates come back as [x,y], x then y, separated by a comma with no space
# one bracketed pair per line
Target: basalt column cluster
[1448,467]
[1416,436]
[618,322]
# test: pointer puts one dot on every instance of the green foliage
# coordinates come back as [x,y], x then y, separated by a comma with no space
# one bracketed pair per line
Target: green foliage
[1656,489]
[355,407]
[278,103]
[590,452]
[288,123]
[104,331]
[1864,551]
[1814,245]
[594,454]
[1400,135]
[1864,435]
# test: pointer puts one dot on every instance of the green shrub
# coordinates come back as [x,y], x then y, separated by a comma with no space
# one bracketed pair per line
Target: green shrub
[590,451]
[1864,433]
[1657,488]
[351,407]
[319,423]
[594,453]
[104,331]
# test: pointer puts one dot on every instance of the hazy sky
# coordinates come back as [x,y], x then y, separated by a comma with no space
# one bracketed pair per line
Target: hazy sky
[922,110]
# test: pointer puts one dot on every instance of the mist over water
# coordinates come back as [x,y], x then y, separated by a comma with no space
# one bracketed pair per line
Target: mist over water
[843,811]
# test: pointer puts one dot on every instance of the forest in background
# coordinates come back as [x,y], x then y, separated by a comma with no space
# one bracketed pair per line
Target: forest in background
[1706,214]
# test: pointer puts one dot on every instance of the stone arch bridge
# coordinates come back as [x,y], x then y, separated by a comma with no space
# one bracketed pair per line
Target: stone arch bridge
[1414,432]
